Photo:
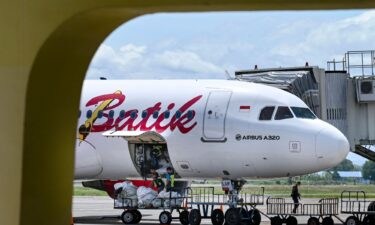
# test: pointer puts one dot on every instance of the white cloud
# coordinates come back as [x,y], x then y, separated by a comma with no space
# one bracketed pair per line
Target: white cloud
[207,49]
[133,61]
[185,61]
[330,39]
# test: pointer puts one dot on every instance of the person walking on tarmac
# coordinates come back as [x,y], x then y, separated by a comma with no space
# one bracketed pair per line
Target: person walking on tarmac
[157,182]
[170,179]
[296,196]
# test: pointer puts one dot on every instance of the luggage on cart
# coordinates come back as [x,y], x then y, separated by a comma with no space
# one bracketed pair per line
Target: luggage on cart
[170,199]
[145,196]
[127,196]
[157,203]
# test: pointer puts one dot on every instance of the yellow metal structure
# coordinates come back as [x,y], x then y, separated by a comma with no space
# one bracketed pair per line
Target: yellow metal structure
[45,49]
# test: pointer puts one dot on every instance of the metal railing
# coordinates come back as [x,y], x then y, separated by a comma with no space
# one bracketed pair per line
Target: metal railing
[356,63]
[207,195]
[326,206]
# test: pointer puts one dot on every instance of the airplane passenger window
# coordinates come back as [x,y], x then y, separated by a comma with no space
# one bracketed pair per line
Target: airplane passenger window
[178,115]
[79,114]
[190,114]
[304,113]
[89,114]
[100,114]
[266,113]
[144,114]
[133,115]
[167,114]
[282,113]
[122,114]
[155,114]
[111,114]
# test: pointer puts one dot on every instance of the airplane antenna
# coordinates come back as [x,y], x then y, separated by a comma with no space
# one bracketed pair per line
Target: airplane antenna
[103,78]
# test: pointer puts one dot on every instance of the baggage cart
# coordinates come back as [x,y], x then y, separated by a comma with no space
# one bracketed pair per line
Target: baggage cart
[356,204]
[322,211]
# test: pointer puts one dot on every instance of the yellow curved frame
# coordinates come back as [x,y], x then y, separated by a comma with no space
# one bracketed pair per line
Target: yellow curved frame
[45,49]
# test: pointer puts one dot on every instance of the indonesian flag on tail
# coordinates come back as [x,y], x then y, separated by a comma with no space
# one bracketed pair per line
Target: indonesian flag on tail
[245,108]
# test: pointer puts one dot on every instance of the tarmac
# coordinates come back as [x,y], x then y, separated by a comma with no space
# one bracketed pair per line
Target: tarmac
[99,210]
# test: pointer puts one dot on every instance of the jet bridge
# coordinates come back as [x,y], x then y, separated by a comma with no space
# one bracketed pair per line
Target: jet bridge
[342,95]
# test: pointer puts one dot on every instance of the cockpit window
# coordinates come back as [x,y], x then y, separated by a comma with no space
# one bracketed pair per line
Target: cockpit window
[266,113]
[282,113]
[304,113]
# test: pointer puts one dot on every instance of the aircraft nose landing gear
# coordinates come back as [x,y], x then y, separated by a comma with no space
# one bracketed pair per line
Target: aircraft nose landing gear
[238,213]
[206,204]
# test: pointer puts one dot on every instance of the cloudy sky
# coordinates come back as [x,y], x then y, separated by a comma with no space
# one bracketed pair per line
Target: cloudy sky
[205,45]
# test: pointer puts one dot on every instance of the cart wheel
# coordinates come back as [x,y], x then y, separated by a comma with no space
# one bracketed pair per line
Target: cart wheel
[217,217]
[369,220]
[291,220]
[352,220]
[184,217]
[255,216]
[313,221]
[165,217]
[195,217]
[371,207]
[232,216]
[276,220]
[128,217]
[138,216]
[328,221]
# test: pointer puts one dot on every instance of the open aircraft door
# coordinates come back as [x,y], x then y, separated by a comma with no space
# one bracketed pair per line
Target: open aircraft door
[148,151]
[215,115]
[137,136]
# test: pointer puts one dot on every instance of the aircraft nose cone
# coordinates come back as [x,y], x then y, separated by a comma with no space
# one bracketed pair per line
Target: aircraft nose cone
[331,146]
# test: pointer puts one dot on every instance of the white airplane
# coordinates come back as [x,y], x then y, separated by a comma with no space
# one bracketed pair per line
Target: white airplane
[221,129]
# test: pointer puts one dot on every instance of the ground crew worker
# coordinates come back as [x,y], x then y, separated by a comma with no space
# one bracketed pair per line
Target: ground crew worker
[157,182]
[156,152]
[296,196]
[170,179]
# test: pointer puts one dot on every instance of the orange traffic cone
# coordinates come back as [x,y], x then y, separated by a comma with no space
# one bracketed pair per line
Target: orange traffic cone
[222,208]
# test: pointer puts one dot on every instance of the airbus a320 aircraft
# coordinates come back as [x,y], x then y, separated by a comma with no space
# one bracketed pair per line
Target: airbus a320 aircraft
[221,129]
[202,129]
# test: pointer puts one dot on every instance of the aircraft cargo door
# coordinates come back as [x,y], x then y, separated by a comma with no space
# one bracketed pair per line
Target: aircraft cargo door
[215,114]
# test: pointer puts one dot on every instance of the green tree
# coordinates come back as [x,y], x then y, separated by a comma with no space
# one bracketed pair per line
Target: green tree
[345,165]
[368,170]
[335,175]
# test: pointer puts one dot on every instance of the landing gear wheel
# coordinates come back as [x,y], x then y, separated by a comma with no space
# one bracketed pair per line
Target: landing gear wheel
[313,221]
[128,217]
[245,217]
[255,216]
[327,221]
[352,220]
[276,220]
[217,217]
[138,216]
[232,216]
[291,220]
[165,217]
[195,217]
[184,217]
